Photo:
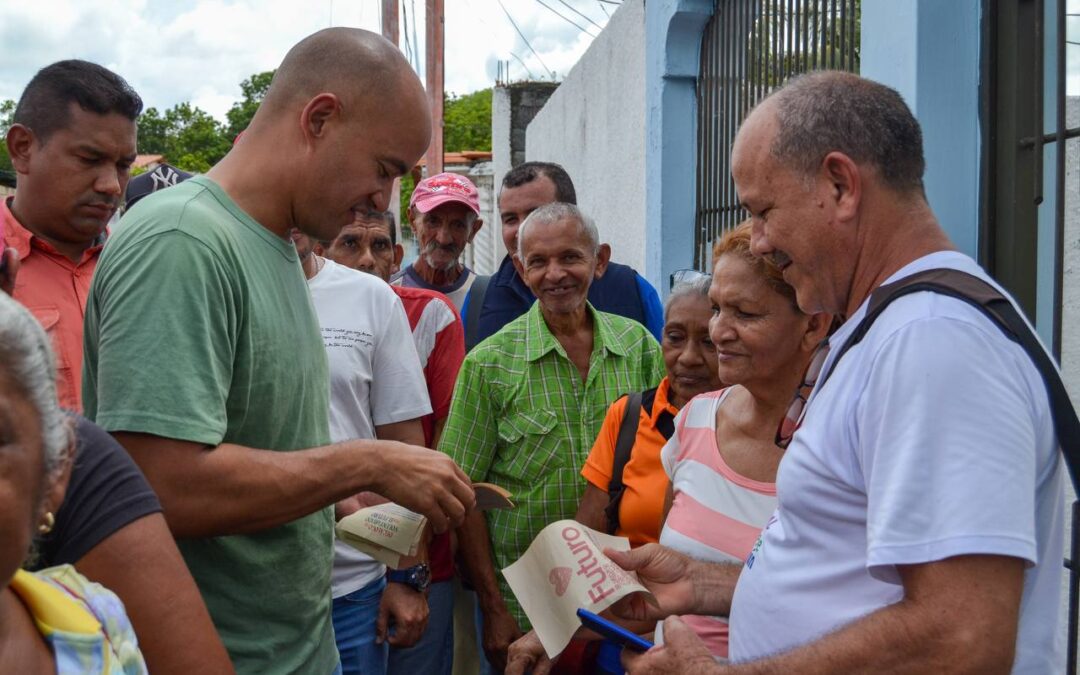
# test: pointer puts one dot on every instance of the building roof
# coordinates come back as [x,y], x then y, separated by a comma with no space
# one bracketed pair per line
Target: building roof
[148,161]
[463,157]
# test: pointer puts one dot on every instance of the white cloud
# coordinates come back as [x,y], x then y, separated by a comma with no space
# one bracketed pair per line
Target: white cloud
[200,51]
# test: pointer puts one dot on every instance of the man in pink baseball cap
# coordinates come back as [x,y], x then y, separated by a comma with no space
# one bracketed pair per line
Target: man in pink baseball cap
[445,215]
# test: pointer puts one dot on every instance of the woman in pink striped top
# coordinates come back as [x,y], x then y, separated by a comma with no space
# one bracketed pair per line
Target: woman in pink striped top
[723,457]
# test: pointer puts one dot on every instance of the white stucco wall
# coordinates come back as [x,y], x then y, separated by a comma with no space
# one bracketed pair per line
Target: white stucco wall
[594,125]
[500,164]
[486,250]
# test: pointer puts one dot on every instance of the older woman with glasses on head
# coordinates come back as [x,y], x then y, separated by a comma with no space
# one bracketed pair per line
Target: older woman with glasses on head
[54,620]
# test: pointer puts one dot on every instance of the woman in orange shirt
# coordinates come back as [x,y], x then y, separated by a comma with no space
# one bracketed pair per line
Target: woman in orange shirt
[691,364]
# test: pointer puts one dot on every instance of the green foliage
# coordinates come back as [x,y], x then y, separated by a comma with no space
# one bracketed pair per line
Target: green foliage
[254,90]
[407,186]
[189,137]
[193,140]
[467,121]
[7,113]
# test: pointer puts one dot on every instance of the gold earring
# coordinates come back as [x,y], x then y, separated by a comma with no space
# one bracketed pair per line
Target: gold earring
[47,526]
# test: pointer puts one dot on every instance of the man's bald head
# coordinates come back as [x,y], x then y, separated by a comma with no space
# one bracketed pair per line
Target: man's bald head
[344,116]
[350,63]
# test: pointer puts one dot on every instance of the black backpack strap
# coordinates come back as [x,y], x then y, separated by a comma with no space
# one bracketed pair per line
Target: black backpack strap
[477,292]
[1001,311]
[665,421]
[997,307]
[624,446]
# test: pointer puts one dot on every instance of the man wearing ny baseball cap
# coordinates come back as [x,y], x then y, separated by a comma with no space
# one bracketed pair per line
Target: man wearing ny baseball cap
[444,212]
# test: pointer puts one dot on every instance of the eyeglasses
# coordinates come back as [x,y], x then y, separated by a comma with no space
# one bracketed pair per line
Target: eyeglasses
[679,277]
[793,419]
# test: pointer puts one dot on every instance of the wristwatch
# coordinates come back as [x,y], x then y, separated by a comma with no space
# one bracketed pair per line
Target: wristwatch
[417,577]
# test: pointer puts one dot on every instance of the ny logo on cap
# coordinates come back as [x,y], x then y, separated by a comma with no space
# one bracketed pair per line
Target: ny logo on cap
[163,177]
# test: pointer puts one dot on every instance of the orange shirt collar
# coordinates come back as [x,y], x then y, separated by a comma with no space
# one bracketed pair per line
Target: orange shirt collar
[662,402]
[15,235]
[21,239]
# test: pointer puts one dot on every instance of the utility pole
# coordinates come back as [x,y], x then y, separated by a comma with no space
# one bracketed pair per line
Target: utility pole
[390,32]
[434,68]
[390,20]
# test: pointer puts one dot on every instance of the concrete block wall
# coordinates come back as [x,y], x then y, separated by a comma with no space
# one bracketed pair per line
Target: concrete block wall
[513,107]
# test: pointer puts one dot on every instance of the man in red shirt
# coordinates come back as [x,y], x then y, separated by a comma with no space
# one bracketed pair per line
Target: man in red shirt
[369,245]
[72,145]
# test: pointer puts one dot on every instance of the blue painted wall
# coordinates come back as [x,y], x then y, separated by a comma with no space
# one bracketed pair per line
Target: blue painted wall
[673,30]
[928,50]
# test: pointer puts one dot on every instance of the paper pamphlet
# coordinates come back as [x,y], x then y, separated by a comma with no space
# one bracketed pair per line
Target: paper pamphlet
[388,532]
[563,570]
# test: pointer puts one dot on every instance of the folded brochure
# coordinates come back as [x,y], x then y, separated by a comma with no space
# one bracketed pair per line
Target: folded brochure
[388,532]
[563,570]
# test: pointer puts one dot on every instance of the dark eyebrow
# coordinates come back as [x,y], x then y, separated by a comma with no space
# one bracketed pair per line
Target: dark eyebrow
[97,153]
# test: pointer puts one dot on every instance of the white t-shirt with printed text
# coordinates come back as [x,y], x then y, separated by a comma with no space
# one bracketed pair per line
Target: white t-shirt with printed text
[933,438]
[375,378]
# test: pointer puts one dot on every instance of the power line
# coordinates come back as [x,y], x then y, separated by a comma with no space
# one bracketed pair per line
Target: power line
[571,8]
[511,19]
[567,20]
[531,76]
[604,7]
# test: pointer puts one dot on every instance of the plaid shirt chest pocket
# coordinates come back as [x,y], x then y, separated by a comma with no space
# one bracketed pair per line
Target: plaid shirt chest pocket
[530,444]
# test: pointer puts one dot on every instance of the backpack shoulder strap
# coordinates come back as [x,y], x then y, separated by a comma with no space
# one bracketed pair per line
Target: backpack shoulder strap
[477,292]
[1000,310]
[624,446]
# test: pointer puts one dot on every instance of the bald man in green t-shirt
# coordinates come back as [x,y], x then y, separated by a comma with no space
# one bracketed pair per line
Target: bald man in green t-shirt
[204,357]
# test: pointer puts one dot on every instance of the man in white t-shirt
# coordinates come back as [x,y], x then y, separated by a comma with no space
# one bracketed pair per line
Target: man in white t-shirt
[377,390]
[920,519]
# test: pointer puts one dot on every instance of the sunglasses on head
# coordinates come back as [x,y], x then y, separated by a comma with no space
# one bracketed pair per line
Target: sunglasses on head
[679,277]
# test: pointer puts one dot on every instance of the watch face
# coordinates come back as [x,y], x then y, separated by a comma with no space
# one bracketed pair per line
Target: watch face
[421,576]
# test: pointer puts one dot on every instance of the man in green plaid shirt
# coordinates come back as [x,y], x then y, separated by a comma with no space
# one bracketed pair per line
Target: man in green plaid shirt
[530,400]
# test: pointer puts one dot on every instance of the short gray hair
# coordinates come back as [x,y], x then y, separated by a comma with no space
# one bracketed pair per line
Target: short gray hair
[27,362]
[697,288]
[555,212]
[831,111]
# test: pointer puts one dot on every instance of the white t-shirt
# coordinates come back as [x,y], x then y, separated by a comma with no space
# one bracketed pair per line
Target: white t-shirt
[933,438]
[375,378]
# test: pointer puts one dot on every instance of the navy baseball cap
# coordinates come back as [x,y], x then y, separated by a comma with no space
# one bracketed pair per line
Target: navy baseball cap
[161,177]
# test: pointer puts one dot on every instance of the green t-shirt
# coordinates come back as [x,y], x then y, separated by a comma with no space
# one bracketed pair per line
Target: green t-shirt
[199,327]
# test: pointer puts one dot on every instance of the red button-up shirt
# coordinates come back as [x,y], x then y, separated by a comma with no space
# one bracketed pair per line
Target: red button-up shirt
[54,289]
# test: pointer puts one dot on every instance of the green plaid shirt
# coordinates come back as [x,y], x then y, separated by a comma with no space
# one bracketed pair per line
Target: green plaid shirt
[523,419]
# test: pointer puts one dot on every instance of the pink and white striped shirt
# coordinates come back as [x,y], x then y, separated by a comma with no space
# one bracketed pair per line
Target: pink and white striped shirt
[717,514]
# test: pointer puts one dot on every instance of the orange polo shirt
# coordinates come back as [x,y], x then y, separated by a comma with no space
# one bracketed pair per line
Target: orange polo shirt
[642,506]
[54,289]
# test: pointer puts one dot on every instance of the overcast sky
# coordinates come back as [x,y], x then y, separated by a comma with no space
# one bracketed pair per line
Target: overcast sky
[200,50]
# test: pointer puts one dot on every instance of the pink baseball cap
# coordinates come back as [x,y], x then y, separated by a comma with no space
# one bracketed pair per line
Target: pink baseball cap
[443,188]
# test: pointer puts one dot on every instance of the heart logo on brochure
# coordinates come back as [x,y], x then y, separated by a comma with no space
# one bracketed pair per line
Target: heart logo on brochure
[560,579]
